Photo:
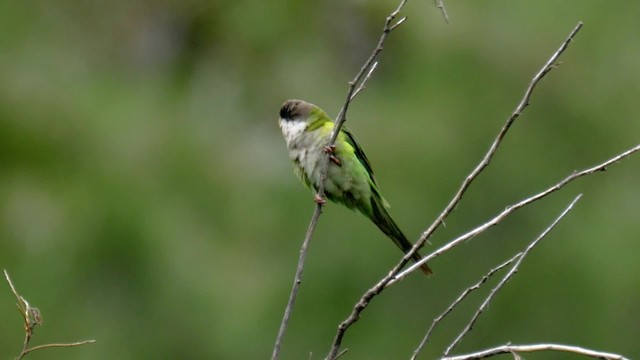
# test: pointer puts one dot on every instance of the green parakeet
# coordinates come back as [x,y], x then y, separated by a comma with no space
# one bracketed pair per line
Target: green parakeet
[306,129]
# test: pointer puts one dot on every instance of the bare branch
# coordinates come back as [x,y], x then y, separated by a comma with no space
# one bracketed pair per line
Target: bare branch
[360,80]
[514,349]
[443,10]
[507,211]
[462,296]
[507,277]
[380,286]
[78,343]
[548,66]
[355,86]
[296,281]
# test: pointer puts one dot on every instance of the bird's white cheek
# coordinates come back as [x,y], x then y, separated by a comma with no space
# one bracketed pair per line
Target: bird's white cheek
[291,130]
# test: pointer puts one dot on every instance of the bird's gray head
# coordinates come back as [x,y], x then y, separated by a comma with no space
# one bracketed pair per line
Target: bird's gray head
[293,110]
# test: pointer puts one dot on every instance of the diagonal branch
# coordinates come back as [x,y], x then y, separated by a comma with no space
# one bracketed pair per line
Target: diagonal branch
[507,211]
[548,66]
[511,349]
[443,10]
[380,286]
[507,277]
[355,86]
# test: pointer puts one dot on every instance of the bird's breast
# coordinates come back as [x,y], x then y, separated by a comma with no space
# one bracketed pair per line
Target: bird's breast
[305,148]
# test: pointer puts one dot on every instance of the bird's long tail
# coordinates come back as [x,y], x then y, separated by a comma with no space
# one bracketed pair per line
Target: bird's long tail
[383,220]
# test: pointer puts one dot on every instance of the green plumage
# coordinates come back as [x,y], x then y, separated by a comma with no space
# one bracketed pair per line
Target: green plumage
[350,180]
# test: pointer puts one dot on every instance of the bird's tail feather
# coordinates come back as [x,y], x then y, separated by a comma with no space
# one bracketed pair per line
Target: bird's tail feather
[383,220]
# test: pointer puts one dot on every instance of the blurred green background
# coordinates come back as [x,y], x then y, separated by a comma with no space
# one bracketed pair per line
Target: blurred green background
[147,200]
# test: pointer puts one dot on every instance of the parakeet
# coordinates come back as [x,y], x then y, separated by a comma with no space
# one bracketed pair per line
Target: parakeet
[307,129]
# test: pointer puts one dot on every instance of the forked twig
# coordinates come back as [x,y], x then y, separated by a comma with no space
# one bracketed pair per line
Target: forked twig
[507,277]
[459,299]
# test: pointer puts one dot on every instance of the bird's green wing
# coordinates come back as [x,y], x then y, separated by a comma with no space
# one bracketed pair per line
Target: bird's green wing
[367,165]
[359,153]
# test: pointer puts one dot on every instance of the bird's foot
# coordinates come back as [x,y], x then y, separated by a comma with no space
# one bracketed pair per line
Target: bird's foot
[330,149]
[319,200]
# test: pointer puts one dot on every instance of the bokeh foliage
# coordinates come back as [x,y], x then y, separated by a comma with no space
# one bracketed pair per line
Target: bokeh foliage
[146,198]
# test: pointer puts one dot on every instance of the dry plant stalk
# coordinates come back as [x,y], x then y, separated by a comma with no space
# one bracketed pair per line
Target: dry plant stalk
[32,318]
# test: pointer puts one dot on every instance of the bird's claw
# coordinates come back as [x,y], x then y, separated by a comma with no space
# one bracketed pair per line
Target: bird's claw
[331,149]
[319,200]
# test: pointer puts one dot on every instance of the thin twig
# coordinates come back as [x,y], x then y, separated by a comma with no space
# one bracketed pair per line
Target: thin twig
[30,315]
[13,288]
[511,349]
[355,86]
[359,81]
[25,344]
[341,353]
[364,81]
[296,282]
[507,277]
[509,209]
[443,10]
[462,296]
[380,286]
[78,343]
